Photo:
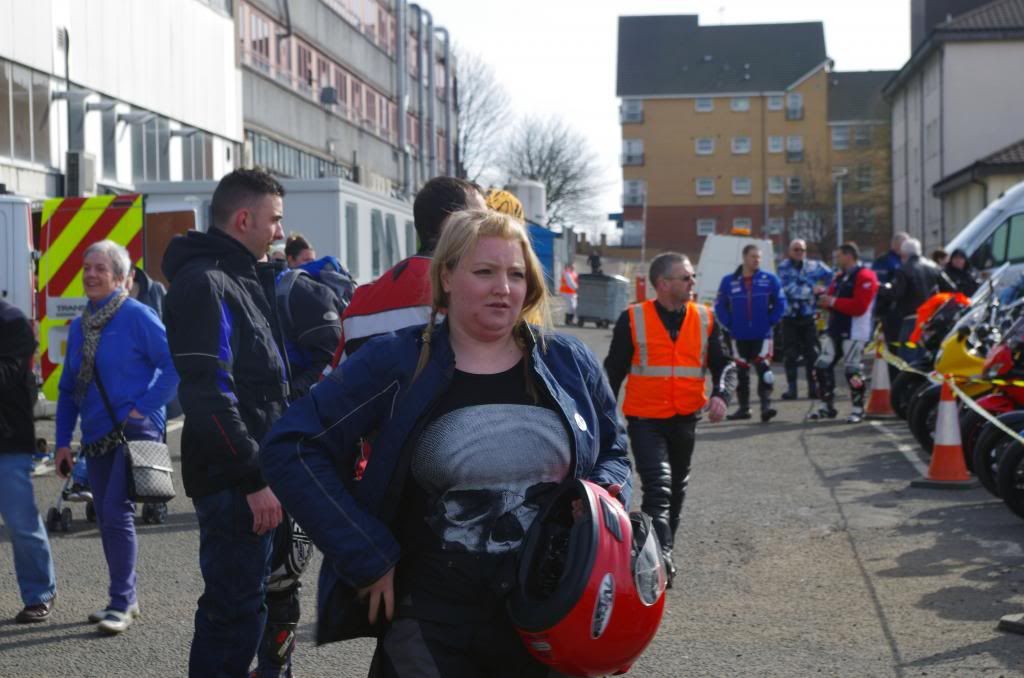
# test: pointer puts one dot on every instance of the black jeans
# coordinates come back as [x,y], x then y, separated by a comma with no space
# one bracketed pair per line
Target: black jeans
[663,449]
[748,350]
[800,339]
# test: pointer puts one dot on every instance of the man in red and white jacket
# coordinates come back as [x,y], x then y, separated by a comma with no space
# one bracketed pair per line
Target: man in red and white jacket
[850,298]
[401,297]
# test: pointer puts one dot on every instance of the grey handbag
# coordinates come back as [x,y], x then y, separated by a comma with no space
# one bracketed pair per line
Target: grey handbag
[149,462]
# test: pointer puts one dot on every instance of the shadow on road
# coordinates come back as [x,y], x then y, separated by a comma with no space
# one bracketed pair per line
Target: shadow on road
[34,635]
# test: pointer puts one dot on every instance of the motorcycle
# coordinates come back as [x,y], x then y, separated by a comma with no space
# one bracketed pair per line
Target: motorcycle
[962,355]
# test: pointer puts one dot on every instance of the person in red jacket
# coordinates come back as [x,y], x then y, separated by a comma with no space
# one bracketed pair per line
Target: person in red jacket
[401,297]
[850,298]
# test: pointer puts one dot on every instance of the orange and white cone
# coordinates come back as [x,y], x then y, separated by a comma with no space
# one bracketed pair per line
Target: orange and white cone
[879,404]
[947,470]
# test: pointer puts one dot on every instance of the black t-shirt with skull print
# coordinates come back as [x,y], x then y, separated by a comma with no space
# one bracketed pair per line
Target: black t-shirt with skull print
[486,462]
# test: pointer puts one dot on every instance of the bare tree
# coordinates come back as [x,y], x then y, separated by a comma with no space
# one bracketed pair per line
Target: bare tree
[484,114]
[550,151]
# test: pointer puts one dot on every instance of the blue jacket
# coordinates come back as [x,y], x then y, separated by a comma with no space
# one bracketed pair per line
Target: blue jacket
[307,456]
[133,361]
[798,285]
[750,313]
[885,266]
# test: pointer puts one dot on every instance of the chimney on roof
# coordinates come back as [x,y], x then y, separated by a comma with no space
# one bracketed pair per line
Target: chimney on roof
[925,15]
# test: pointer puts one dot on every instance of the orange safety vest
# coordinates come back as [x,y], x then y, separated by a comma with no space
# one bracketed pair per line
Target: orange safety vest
[566,288]
[667,378]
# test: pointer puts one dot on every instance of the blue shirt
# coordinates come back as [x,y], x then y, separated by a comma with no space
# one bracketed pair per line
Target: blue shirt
[133,361]
[798,285]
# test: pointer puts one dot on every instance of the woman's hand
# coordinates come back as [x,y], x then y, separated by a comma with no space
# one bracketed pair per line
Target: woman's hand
[64,461]
[615,490]
[135,414]
[381,591]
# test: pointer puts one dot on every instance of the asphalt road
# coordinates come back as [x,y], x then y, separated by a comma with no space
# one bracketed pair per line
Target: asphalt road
[803,552]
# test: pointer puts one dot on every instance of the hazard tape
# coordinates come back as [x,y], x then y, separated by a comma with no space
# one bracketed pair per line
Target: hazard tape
[967,400]
[953,382]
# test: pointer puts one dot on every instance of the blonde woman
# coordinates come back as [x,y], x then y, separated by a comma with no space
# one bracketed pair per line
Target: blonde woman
[476,420]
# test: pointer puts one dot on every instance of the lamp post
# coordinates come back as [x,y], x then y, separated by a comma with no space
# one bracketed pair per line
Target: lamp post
[838,175]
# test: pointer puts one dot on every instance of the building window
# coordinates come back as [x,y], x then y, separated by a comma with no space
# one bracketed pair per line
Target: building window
[391,240]
[352,238]
[703,104]
[740,145]
[705,145]
[776,185]
[705,227]
[41,119]
[21,87]
[633,193]
[863,180]
[410,239]
[775,226]
[632,110]
[794,148]
[796,186]
[742,225]
[741,185]
[862,135]
[705,186]
[377,241]
[794,106]
[5,108]
[840,137]
[775,103]
[776,144]
[739,104]
[632,151]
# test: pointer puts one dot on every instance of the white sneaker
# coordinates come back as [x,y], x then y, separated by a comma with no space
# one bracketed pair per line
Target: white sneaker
[855,417]
[99,615]
[115,622]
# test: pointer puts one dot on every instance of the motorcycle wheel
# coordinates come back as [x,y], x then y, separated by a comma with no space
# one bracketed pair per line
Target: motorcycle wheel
[922,416]
[988,448]
[1011,477]
[900,391]
[971,424]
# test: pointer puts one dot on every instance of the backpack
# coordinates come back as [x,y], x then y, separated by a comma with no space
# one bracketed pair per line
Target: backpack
[326,271]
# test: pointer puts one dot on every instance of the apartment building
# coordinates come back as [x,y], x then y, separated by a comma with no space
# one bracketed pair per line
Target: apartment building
[860,156]
[141,92]
[956,120]
[724,128]
[170,90]
[329,89]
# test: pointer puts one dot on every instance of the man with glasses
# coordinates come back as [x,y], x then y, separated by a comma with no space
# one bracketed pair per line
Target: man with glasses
[799,277]
[665,347]
[750,303]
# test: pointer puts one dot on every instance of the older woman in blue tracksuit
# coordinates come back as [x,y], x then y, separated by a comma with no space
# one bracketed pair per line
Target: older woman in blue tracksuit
[475,421]
[121,344]
[750,303]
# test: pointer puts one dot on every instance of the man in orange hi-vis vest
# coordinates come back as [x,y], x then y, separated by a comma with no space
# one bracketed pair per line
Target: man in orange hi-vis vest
[568,289]
[663,349]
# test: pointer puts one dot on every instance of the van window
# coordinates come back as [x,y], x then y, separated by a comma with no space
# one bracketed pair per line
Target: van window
[1015,243]
[377,231]
[392,240]
[352,238]
[992,252]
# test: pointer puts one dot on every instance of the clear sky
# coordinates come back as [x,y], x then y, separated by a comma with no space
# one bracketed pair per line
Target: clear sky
[559,56]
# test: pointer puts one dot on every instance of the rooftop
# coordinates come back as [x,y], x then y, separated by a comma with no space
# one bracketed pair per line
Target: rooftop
[674,55]
[857,95]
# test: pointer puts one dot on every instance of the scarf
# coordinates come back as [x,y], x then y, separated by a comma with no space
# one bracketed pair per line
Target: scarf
[93,323]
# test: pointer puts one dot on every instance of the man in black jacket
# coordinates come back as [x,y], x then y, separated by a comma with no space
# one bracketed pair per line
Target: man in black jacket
[912,283]
[33,563]
[222,330]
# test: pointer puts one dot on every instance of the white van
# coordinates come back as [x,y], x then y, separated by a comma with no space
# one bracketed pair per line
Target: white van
[17,253]
[720,257]
[996,235]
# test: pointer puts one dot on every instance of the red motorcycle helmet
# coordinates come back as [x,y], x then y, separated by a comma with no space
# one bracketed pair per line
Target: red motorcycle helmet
[590,587]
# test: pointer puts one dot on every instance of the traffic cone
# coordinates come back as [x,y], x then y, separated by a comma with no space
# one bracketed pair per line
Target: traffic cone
[947,470]
[879,404]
